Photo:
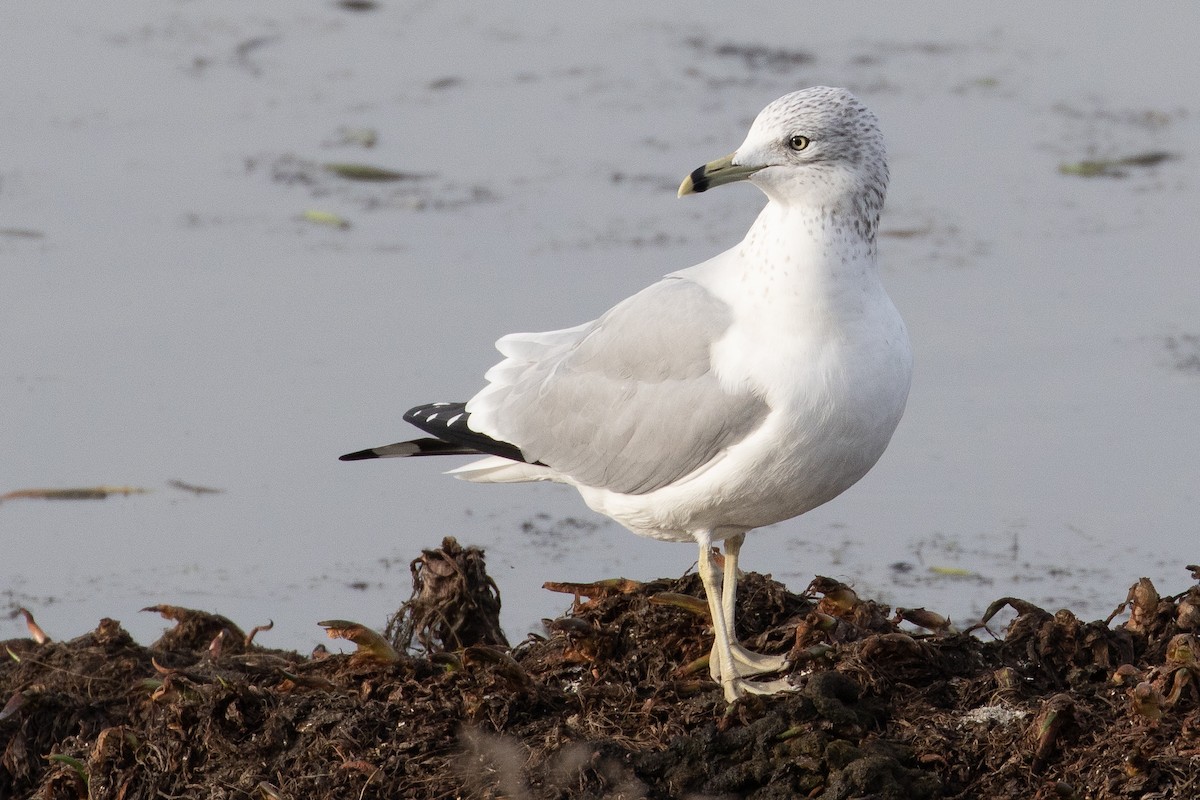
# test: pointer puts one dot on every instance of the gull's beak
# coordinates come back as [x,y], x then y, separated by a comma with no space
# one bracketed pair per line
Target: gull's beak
[715,173]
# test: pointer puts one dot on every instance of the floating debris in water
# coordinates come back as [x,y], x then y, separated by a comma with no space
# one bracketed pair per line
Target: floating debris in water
[907,233]
[1114,167]
[951,572]
[1185,351]
[369,172]
[754,57]
[193,488]
[22,233]
[327,218]
[368,188]
[85,493]
[242,53]
[356,137]
[448,82]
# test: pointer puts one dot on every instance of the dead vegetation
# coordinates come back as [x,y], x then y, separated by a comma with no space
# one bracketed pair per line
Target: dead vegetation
[615,702]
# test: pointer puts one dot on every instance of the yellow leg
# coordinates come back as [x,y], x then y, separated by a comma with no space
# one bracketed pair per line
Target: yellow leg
[729,662]
[711,578]
[749,663]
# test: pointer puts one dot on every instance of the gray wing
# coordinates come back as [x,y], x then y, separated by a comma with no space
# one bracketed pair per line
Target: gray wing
[628,402]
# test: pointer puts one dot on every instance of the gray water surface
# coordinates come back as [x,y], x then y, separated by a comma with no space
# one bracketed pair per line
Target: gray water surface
[167,312]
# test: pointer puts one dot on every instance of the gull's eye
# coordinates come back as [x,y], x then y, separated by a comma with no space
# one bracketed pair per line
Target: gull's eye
[798,142]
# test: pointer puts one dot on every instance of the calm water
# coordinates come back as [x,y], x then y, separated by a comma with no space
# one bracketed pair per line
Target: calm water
[167,312]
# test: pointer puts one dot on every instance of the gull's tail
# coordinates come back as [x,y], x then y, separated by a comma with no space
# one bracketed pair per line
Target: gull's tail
[448,423]
[415,447]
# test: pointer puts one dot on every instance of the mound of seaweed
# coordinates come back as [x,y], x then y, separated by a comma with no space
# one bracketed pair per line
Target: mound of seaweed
[615,702]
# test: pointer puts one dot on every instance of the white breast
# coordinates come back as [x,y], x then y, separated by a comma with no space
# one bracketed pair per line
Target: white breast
[817,336]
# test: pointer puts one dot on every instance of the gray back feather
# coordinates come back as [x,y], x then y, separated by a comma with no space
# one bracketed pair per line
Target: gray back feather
[628,402]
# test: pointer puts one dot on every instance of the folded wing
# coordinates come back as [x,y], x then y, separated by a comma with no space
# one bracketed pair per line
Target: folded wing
[628,402]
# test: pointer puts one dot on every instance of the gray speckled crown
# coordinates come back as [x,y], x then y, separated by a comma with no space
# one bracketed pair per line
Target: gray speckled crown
[849,137]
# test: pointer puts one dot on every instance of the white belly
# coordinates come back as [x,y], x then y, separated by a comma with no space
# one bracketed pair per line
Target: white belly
[844,400]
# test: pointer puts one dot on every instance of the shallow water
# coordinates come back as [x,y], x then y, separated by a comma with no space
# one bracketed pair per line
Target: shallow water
[168,313]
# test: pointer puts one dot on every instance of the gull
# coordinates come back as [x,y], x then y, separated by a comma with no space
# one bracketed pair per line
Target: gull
[731,395]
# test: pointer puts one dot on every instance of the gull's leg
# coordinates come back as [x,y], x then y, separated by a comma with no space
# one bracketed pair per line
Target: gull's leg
[713,591]
[729,662]
[750,663]
[733,547]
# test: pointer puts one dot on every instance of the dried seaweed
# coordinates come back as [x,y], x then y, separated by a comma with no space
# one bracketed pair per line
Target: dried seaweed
[614,701]
[454,604]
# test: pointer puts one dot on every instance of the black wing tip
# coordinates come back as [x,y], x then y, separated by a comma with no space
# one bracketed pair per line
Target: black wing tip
[449,423]
[451,436]
[418,414]
[359,455]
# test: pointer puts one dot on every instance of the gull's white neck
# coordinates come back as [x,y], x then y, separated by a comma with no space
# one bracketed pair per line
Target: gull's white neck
[803,290]
[797,265]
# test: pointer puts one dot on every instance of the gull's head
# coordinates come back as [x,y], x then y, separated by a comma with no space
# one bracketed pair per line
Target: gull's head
[819,146]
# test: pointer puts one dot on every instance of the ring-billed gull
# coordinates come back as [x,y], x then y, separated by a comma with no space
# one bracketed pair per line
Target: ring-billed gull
[737,393]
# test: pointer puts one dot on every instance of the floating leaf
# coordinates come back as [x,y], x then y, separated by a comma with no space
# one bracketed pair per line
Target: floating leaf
[367,172]
[1112,167]
[358,5]
[327,218]
[193,488]
[86,493]
[907,233]
[360,137]
[952,572]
